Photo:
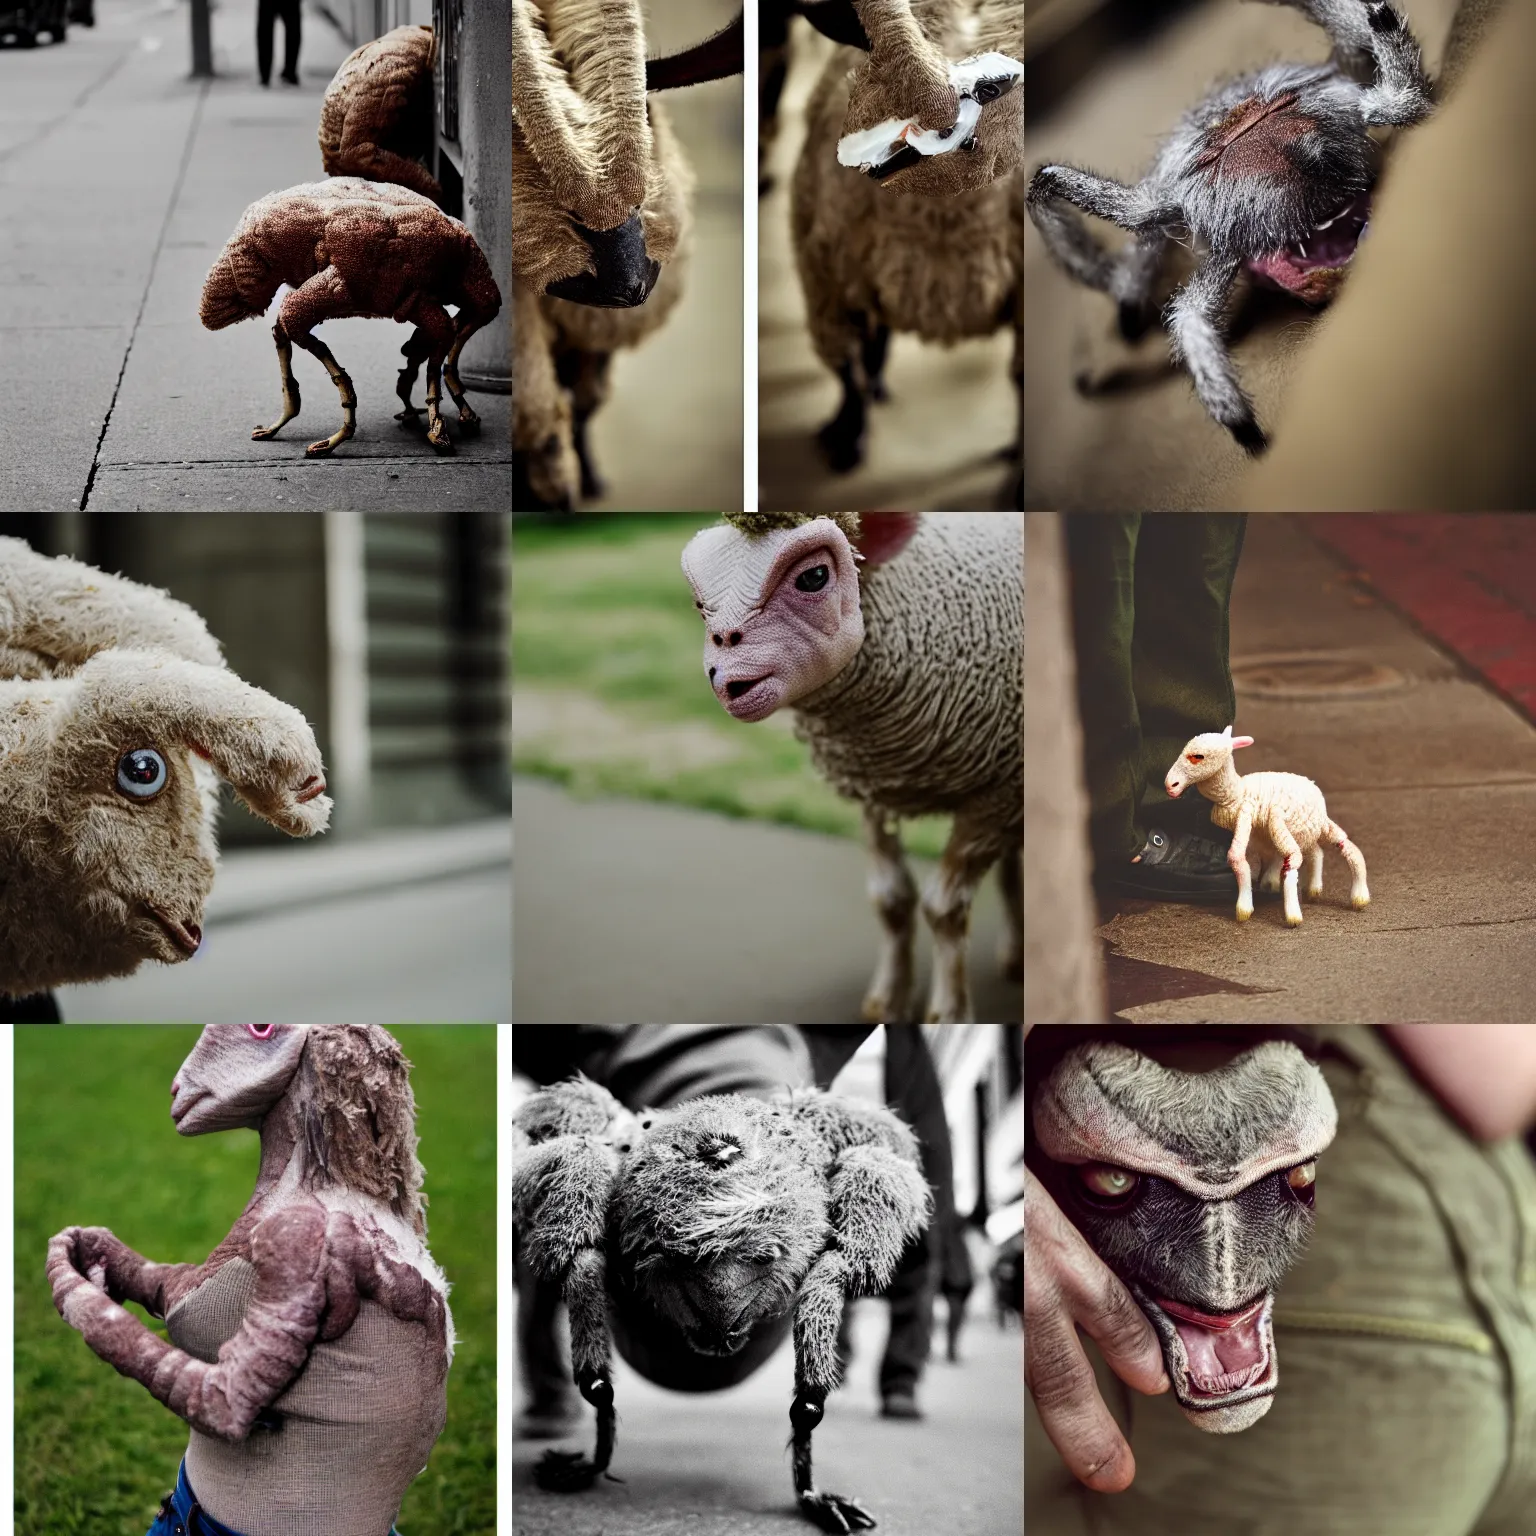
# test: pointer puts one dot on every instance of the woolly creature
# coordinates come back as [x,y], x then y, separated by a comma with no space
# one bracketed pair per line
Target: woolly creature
[603,228]
[705,1232]
[898,639]
[927,244]
[310,1352]
[117,718]
[1196,1188]
[351,247]
[376,121]
[1283,813]
[1272,173]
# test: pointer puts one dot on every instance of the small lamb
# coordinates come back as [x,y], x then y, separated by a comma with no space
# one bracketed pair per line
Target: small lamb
[1283,813]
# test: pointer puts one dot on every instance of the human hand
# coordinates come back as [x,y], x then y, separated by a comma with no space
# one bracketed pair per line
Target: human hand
[1067,1286]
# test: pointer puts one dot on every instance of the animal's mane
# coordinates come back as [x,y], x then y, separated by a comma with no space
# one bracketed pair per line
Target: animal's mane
[357,1117]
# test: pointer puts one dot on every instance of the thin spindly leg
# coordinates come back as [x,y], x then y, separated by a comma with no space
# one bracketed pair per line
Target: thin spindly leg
[1315,872]
[1402,91]
[1057,192]
[290,384]
[1237,858]
[895,901]
[1194,328]
[469,422]
[312,344]
[1132,281]
[415,351]
[971,851]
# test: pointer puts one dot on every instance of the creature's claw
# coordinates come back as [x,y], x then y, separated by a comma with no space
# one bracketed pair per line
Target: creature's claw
[567,1472]
[469,422]
[320,449]
[832,1512]
[1383,18]
[437,435]
[261,434]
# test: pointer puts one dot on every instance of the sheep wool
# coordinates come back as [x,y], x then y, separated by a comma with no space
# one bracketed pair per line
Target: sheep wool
[117,719]
[376,120]
[309,1354]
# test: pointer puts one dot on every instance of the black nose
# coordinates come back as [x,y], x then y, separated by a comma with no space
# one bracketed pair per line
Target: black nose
[624,274]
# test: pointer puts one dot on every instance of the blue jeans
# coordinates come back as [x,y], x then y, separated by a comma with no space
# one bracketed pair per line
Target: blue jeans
[181,1514]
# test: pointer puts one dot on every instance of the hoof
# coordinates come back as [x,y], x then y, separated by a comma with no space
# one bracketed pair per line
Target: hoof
[1293,922]
[842,452]
[1314,895]
[1244,913]
[469,424]
[321,450]
[438,437]
[877,1008]
[1360,903]
[261,434]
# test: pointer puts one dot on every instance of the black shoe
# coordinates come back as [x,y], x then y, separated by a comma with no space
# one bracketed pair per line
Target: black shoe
[288,79]
[900,1405]
[1177,865]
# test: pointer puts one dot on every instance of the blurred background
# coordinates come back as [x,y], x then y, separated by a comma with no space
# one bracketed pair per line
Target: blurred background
[389,632]
[717,1457]
[937,442]
[95,1453]
[670,434]
[725,875]
[1372,402]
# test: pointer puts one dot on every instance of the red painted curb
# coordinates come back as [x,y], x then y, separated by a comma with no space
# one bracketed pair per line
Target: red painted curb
[1468,579]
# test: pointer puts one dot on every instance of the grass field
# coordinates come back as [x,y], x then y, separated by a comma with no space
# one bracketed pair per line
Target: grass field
[95,1453]
[609,695]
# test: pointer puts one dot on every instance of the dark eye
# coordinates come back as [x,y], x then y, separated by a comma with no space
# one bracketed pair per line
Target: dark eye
[141,774]
[814,579]
[1301,1179]
[1106,1181]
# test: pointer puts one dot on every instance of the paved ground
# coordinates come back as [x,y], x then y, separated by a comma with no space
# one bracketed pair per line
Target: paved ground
[1434,777]
[626,910]
[120,181]
[406,928]
[717,1462]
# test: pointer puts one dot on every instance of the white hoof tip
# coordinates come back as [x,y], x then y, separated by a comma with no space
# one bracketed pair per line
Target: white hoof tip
[1360,903]
[1244,913]
[1293,922]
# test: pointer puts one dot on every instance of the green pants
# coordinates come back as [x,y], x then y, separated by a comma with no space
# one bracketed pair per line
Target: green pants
[1406,1346]
[1150,600]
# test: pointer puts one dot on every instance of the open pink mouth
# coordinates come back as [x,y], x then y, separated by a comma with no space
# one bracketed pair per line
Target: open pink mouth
[187,937]
[311,788]
[1226,1351]
[1312,268]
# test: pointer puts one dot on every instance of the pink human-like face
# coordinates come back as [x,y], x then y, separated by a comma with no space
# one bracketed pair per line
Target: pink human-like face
[781,612]
[235,1074]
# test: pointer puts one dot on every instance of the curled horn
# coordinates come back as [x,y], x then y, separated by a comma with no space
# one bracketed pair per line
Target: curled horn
[716,58]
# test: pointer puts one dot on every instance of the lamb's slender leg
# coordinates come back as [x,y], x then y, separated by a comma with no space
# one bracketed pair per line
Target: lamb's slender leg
[1315,872]
[895,900]
[585,375]
[1010,875]
[1237,858]
[1270,879]
[1194,328]
[1359,894]
[290,384]
[872,353]
[842,438]
[1290,869]
[971,851]
[817,1313]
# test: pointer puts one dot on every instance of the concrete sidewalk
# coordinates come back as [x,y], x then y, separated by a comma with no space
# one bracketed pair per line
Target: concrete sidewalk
[407,927]
[1433,776]
[120,181]
[628,910]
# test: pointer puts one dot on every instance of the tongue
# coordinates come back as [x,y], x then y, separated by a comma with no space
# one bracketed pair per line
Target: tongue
[1225,1349]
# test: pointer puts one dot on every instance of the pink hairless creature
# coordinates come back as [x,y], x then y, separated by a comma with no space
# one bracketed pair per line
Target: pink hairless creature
[310,1352]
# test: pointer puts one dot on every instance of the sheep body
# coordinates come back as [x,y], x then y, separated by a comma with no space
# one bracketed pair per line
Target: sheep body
[376,120]
[1282,816]
[352,247]
[93,667]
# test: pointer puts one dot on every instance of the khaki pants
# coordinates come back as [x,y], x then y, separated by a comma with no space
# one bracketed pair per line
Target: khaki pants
[1407,1352]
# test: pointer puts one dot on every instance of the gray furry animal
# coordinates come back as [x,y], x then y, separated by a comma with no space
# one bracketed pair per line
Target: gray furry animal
[1272,173]
[376,120]
[118,717]
[898,638]
[309,1353]
[696,1237]
[603,225]
[928,244]
[1196,1188]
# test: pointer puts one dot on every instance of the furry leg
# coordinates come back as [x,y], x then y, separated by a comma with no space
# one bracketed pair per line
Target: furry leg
[1194,328]
[1315,873]
[1055,194]
[1238,860]
[1402,91]
[1290,853]
[1359,893]
[587,1303]
[1131,281]
[1270,879]
[895,898]
[842,438]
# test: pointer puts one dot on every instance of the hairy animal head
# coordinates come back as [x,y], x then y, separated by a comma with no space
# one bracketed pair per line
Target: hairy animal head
[347,1087]
[600,199]
[719,1215]
[779,597]
[1197,1190]
[1203,757]
[931,114]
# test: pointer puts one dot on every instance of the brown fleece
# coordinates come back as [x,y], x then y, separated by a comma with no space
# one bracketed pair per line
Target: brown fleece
[376,121]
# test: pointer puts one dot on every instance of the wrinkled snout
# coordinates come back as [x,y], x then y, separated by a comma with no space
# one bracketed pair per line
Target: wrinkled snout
[745,682]
[624,272]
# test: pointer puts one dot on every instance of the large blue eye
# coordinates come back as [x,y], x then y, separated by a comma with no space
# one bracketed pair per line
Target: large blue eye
[141,773]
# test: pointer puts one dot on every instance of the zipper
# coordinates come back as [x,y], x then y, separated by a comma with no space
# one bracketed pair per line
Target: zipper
[1453,1335]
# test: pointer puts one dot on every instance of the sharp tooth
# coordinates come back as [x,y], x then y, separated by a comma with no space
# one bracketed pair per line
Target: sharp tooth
[1300,246]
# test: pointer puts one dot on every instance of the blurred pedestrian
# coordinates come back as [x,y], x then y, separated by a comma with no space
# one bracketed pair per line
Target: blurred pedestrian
[267,13]
[1151,597]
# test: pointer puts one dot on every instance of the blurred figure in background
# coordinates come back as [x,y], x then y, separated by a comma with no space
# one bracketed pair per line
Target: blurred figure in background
[267,13]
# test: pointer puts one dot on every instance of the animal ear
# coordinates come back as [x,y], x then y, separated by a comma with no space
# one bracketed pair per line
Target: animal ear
[1241,741]
[883,535]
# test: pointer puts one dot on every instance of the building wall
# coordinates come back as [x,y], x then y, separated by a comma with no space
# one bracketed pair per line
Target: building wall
[360,20]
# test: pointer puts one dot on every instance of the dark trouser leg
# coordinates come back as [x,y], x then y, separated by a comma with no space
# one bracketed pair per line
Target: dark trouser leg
[1101,558]
[266,19]
[911,1296]
[293,31]
[1181,663]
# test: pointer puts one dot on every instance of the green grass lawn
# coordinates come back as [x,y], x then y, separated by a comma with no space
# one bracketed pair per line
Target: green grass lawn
[95,1453]
[609,695]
